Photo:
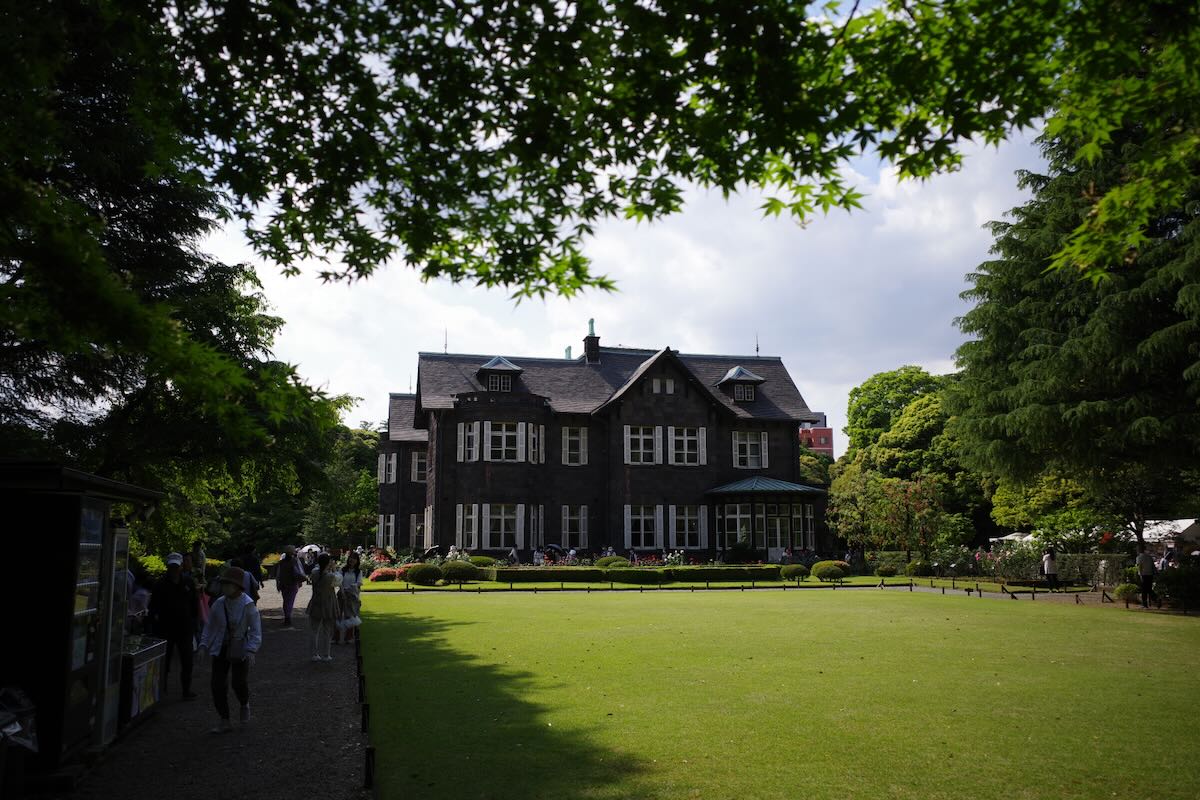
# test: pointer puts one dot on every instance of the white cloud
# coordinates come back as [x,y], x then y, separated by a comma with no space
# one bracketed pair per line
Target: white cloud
[848,296]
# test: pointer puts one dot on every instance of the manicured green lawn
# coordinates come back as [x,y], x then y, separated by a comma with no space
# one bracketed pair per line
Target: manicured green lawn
[836,694]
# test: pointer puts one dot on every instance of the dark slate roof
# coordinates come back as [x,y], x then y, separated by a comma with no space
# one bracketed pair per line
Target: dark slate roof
[401,419]
[500,364]
[740,373]
[761,485]
[575,386]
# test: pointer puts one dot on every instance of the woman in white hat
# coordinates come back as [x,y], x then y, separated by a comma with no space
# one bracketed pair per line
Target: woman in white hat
[233,635]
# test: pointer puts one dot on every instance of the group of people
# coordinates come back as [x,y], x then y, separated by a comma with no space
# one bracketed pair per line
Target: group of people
[201,616]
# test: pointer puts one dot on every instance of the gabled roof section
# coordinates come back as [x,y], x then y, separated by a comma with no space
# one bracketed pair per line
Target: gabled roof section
[666,354]
[500,364]
[402,419]
[742,375]
[574,386]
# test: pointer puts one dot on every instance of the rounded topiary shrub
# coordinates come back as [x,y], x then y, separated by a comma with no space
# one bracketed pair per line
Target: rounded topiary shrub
[828,571]
[885,571]
[792,571]
[918,568]
[459,572]
[612,561]
[383,574]
[1131,575]
[423,574]
[1128,593]
[483,561]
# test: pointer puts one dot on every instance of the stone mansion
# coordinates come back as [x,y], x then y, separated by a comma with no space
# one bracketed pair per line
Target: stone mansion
[633,449]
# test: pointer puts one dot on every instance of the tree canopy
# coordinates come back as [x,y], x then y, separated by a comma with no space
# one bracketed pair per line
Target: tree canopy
[877,402]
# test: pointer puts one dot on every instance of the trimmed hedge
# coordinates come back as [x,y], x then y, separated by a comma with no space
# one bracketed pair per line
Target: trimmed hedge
[651,577]
[746,572]
[612,561]
[793,571]
[483,561]
[540,574]
[422,574]
[830,570]
[459,572]
[886,571]
[384,574]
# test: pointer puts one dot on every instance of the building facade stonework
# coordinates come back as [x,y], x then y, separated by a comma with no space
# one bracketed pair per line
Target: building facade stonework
[625,448]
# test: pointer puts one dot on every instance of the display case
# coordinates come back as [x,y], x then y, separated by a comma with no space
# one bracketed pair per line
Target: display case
[142,664]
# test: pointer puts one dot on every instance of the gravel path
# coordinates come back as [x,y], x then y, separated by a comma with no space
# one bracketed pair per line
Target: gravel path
[304,739]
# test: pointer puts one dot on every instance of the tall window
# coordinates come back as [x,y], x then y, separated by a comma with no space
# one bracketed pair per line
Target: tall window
[468,526]
[739,523]
[685,446]
[743,392]
[419,466]
[469,433]
[387,467]
[810,529]
[641,444]
[502,526]
[574,448]
[663,385]
[503,446]
[748,449]
[389,531]
[499,383]
[687,526]
[641,527]
[798,525]
[416,531]
[574,533]
[535,443]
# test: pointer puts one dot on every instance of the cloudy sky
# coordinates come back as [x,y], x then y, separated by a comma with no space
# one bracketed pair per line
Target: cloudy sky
[844,298]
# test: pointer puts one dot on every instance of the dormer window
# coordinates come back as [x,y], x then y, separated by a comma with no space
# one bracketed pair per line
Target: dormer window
[497,374]
[741,383]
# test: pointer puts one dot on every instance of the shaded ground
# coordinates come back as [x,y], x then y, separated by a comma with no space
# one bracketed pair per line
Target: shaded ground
[303,741]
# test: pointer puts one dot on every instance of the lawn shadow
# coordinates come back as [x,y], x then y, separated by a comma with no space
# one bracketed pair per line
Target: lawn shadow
[448,725]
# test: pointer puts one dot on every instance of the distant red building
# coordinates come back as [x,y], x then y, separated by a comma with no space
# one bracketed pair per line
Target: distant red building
[817,437]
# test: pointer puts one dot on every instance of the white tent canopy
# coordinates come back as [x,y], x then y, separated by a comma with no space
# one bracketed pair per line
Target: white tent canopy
[1164,530]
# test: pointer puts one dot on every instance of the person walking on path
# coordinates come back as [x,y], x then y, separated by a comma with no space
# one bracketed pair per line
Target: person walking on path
[173,610]
[323,607]
[233,635]
[1146,570]
[289,575]
[1050,567]
[199,560]
[350,599]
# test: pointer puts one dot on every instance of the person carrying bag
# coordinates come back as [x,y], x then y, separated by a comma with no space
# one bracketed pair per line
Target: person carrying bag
[233,635]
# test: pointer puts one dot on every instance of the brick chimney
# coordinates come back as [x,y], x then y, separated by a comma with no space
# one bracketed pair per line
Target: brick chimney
[591,344]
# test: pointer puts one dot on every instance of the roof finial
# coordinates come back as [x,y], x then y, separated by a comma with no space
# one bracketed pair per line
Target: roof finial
[410,383]
[756,344]
[445,340]
[592,327]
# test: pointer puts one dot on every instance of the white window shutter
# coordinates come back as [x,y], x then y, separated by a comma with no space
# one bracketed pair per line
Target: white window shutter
[541,444]
[462,441]
[583,542]
[392,472]
[763,439]
[520,526]
[704,526]
[458,526]
[658,527]
[658,449]
[628,524]
[476,441]
[485,525]
[670,444]
[627,456]
[379,533]
[735,452]
[565,457]
[541,526]
[390,531]
[703,447]
[566,515]
[583,446]
[671,537]
[380,468]
[486,443]
[521,434]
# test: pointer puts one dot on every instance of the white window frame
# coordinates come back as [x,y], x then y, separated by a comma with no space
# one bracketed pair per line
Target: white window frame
[536,448]
[743,392]
[509,436]
[750,450]
[499,383]
[379,532]
[644,527]
[416,530]
[574,524]
[685,526]
[416,474]
[579,435]
[380,467]
[389,531]
[741,517]
[677,440]
[656,386]
[501,514]
[466,526]
[643,435]
[468,441]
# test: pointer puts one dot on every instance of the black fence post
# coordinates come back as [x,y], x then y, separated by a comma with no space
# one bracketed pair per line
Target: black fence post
[369,773]
[366,717]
